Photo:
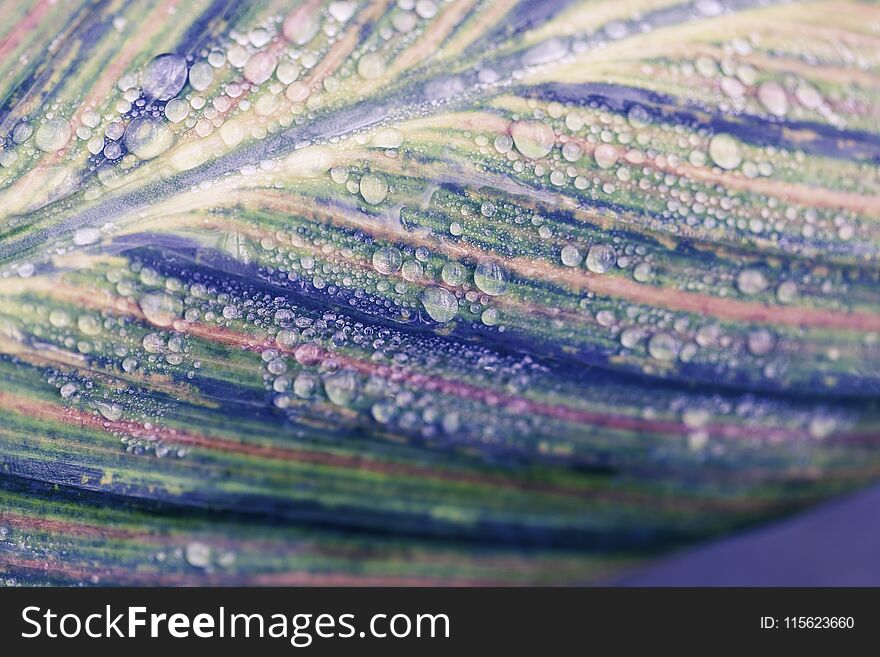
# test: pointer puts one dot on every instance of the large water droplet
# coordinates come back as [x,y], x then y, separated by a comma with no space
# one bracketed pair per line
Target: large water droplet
[388,260]
[341,388]
[148,137]
[53,135]
[490,278]
[164,77]
[533,138]
[439,303]
[160,309]
[373,188]
[601,258]
[724,151]
[663,346]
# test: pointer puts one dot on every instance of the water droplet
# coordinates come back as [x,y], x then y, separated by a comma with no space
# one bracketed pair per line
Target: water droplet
[760,342]
[176,110]
[388,138]
[260,67]
[383,411]
[305,385]
[301,26]
[489,317]
[339,174]
[341,388]
[153,343]
[663,346]
[342,11]
[88,325]
[439,303]
[371,66]
[601,258]
[201,75]
[605,155]
[53,135]
[751,281]
[630,337]
[160,309]
[570,255]
[454,273]
[287,72]
[84,236]
[387,260]
[787,292]
[148,137]
[490,278]
[571,151]
[198,554]
[164,77]
[373,188]
[724,151]
[59,318]
[110,412]
[808,96]
[773,97]
[533,138]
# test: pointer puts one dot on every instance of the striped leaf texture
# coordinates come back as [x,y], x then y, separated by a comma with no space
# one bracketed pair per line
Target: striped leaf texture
[429,292]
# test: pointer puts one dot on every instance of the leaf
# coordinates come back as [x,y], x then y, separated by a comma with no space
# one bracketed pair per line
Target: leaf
[428,293]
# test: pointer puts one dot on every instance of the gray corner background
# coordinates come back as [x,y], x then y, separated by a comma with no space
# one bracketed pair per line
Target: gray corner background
[835,544]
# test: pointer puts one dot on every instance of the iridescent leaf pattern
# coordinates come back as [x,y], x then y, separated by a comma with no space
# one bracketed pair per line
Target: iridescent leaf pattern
[426,292]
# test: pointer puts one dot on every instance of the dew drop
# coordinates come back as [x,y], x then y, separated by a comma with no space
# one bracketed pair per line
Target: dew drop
[160,309]
[663,346]
[439,303]
[724,151]
[373,188]
[490,278]
[371,66]
[601,258]
[570,255]
[387,260]
[164,77]
[53,135]
[341,388]
[751,281]
[148,137]
[533,138]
